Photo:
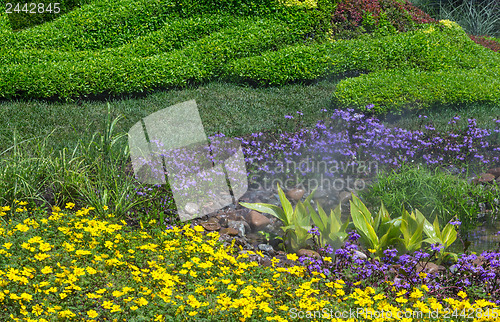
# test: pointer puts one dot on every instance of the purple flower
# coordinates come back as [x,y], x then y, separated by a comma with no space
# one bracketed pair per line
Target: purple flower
[353,236]
[289,117]
[314,231]
[437,247]
[455,223]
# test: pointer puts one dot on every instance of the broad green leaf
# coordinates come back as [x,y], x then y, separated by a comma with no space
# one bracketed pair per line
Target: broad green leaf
[449,235]
[318,222]
[301,215]
[285,204]
[362,208]
[428,228]
[268,209]
[437,230]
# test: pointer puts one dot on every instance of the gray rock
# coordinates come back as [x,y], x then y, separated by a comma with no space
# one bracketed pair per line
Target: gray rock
[484,178]
[240,226]
[229,231]
[191,208]
[210,225]
[360,255]
[494,171]
[265,247]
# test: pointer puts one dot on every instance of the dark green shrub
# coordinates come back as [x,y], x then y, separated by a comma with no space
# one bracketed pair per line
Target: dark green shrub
[73,74]
[413,89]
[98,25]
[443,48]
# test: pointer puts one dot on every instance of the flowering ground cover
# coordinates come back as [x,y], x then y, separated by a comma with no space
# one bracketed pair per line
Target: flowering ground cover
[71,265]
[82,239]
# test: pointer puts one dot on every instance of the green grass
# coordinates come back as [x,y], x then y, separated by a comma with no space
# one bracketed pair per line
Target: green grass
[433,192]
[226,108]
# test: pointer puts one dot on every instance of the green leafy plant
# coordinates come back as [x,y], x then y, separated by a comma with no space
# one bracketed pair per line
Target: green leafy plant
[435,235]
[332,230]
[377,232]
[412,229]
[296,222]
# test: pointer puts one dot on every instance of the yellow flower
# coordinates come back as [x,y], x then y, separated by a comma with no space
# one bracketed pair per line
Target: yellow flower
[462,294]
[46,270]
[92,314]
[70,205]
[401,300]
[142,301]
[198,229]
[416,294]
[292,257]
[105,207]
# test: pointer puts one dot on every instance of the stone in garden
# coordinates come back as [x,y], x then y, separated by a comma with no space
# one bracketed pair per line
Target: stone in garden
[276,243]
[430,268]
[494,171]
[264,261]
[191,208]
[498,180]
[238,225]
[210,225]
[257,220]
[345,196]
[308,253]
[229,231]
[256,239]
[484,178]
[265,247]
[295,194]
[360,255]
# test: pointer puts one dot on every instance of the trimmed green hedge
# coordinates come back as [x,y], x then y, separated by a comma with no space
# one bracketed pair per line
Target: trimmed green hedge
[101,24]
[103,72]
[440,49]
[113,23]
[414,89]
[4,24]
[174,35]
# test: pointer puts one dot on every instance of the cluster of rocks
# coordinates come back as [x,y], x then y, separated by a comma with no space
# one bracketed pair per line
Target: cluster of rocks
[255,231]
[489,177]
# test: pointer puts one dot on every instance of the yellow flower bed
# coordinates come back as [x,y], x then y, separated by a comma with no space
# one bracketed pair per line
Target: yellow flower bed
[71,265]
